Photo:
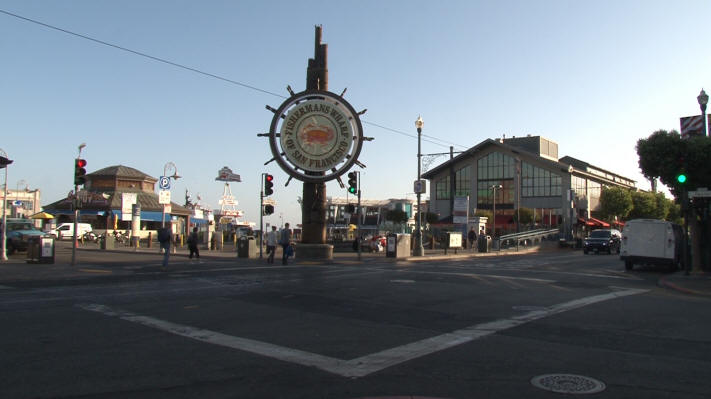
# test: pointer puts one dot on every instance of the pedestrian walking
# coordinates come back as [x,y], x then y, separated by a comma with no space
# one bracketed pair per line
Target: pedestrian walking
[193,244]
[165,238]
[285,242]
[472,238]
[272,241]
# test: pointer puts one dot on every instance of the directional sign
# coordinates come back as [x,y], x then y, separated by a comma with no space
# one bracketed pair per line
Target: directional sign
[164,183]
[700,193]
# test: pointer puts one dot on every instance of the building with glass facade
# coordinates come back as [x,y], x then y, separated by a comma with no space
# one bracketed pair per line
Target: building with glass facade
[527,173]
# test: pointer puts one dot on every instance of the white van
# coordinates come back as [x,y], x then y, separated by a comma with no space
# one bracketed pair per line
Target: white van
[66,230]
[651,241]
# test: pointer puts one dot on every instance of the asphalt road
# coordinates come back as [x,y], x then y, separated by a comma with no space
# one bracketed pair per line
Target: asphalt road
[463,328]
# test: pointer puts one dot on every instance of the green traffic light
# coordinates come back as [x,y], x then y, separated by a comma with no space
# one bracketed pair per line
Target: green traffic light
[681,178]
[352,190]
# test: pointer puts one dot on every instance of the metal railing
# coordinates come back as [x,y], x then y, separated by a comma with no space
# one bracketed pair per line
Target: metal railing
[526,239]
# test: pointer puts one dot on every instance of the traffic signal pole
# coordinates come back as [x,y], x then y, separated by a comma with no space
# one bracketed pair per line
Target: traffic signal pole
[261,215]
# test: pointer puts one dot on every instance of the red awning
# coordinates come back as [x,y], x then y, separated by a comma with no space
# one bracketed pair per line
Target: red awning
[599,222]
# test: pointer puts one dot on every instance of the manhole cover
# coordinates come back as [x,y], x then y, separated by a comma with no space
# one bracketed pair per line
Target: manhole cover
[568,383]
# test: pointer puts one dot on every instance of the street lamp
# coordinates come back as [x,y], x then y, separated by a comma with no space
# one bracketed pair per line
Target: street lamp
[703,99]
[493,224]
[175,176]
[419,250]
[4,162]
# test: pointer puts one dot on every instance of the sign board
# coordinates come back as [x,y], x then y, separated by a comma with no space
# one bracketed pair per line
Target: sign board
[127,201]
[164,183]
[198,214]
[460,212]
[420,187]
[167,208]
[455,240]
[692,126]
[17,203]
[700,193]
[164,197]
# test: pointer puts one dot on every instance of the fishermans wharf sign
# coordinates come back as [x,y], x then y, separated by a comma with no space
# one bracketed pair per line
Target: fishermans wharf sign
[315,136]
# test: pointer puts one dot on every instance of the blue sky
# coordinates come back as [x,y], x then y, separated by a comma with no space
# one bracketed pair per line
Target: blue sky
[593,76]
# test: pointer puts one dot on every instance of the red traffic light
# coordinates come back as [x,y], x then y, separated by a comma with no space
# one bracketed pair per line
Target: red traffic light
[269,178]
[81,163]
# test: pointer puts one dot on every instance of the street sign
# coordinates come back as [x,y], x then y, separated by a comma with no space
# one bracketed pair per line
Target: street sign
[164,183]
[17,203]
[164,197]
[700,193]
[420,187]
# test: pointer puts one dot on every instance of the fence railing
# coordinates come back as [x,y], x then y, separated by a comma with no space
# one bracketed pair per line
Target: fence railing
[527,239]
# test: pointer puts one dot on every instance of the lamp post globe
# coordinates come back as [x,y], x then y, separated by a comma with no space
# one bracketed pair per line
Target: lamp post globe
[419,250]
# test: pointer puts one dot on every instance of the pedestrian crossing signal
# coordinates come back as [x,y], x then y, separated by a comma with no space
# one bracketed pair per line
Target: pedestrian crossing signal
[268,209]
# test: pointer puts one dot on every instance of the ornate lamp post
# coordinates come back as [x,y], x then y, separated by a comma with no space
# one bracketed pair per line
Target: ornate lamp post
[175,176]
[703,99]
[4,162]
[419,250]
[493,224]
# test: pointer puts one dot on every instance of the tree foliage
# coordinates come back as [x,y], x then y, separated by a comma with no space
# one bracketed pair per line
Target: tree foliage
[615,201]
[649,205]
[396,216]
[664,155]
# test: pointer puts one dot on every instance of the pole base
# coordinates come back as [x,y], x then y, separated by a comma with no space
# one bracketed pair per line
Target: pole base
[314,251]
[418,251]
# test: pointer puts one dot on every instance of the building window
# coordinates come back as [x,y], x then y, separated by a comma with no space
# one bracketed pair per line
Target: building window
[442,189]
[539,182]
[494,169]
[579,186]
[462,181]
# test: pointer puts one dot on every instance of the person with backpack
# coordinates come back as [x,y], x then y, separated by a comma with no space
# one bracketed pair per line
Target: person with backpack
[165,236]
[193,244]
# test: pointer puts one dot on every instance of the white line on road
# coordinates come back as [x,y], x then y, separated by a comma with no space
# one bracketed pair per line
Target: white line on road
[364,365]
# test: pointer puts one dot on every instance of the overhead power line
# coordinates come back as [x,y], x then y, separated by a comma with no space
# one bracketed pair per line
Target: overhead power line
[208,74]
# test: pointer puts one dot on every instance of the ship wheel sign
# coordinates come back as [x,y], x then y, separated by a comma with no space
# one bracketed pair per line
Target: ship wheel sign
[316,136]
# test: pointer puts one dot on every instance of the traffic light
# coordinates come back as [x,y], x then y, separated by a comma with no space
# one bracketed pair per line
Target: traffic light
[350,208]
[353,182]
[79,172]
[681,178]
[268,185]
[268,209]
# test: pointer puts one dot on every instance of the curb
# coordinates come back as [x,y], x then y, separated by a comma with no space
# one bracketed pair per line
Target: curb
[663,282]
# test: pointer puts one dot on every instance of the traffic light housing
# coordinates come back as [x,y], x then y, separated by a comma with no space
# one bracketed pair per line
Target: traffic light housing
[350,208]
[268,185]
[353,182]
[268,209]
[79,172]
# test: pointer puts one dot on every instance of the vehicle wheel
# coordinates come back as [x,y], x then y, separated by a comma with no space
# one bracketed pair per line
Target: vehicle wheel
[628,265]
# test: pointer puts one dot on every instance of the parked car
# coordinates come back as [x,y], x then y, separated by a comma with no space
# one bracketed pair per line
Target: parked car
[19,231]
[652,242]
[603,240]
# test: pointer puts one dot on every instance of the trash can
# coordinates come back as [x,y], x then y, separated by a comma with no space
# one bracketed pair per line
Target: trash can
[484,243]
[40,249]
[397,246]
[246,247]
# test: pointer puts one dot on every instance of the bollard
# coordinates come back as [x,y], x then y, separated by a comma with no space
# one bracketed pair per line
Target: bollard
[150,238]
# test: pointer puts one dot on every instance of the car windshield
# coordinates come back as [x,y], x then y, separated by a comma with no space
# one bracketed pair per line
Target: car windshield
[20,226]
[600,234]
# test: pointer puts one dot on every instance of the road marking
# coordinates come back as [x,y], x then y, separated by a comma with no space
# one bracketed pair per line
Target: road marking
[364,365]
[96,271]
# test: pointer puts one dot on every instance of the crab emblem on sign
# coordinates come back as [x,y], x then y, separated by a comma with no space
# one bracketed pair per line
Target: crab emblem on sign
[316,136]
